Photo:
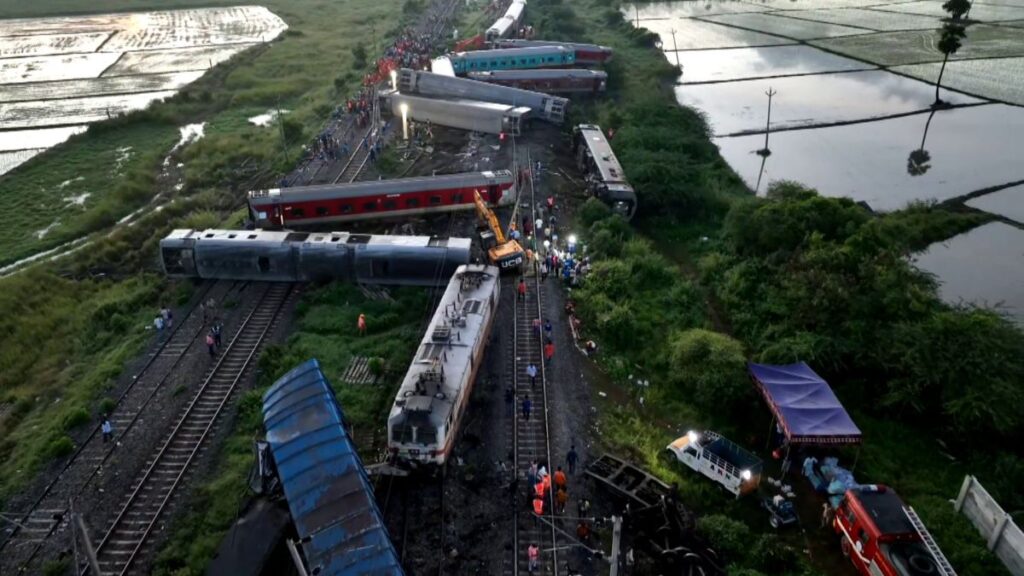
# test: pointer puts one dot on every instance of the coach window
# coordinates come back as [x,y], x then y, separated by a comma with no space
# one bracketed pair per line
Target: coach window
[263,263]
[346,208]
[369,206]
[298,213]
[456,198]
[390,204]
[412,202]
[435,200]
[322,210]
[493,63]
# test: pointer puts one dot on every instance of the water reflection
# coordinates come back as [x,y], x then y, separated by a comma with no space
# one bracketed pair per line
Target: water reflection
[971,149]
[984,266]
[686,8]
[700,35]
[747,63]
[1008,203]
[918,161]
[803,101]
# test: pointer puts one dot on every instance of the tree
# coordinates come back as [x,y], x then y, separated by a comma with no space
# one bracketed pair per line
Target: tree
[709,367]
[952,34]
[949,44]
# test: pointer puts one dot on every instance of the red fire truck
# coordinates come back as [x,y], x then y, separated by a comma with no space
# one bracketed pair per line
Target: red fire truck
[884,537]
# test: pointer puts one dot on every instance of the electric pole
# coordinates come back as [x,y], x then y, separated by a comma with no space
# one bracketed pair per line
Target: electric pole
[768,124]
[280,124]
[675,48]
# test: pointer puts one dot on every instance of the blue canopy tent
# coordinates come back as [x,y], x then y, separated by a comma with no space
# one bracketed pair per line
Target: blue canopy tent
[804,405]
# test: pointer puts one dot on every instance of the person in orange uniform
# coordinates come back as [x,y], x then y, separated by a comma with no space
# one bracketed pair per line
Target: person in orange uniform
[560,480]
[362,324]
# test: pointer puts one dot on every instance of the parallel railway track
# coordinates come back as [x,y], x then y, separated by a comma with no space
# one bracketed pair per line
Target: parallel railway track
[129,538]
[47,517]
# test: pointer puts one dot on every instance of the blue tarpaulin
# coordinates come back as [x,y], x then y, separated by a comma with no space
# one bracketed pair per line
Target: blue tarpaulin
[804,404]
[330,497]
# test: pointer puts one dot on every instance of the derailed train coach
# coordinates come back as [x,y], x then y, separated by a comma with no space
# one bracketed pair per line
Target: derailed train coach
[321,204]
[431,402]
[605,178]
[550,81]
[512,59]
[586,54]
[273,256]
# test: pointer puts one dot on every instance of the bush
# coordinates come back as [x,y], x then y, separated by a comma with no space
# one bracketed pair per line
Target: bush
[359,55]
[75,418]
[56,567]
[376,366]
[60,446]
[708,367]
[730,538]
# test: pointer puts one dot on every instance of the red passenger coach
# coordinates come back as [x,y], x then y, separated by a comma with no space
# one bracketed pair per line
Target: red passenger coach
[328,203]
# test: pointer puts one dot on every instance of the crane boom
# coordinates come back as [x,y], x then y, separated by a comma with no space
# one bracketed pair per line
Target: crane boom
[487,215]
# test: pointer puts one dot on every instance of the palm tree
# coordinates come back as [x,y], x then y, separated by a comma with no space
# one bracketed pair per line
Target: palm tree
[918,161]
[952,33]
[957,8]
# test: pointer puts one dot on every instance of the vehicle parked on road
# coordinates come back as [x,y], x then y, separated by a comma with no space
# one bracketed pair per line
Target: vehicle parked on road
[720,459]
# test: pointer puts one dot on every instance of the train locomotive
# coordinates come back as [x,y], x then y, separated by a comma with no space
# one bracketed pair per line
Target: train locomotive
[432,399]
[280,256]
[605,179]
[375,199]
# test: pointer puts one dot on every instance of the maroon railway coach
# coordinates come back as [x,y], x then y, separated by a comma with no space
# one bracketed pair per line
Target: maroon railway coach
[377,199]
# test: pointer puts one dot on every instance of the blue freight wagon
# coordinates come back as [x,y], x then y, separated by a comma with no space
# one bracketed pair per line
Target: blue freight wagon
[340,527]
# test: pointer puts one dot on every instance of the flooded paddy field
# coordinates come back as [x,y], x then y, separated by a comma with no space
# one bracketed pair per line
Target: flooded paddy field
[852,111]
[808,101]
[745,63]
[983,267]
[71,71]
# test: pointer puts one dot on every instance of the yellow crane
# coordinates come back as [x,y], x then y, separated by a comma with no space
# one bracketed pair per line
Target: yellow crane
[505,253]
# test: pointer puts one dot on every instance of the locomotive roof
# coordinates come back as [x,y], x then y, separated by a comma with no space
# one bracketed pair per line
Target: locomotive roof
[511,52]
[601,150]
[327,489]
[374,187]
[533,73]
[885,509]
[447,345]
[284,236]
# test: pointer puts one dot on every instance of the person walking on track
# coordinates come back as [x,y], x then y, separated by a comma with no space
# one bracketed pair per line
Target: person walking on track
[217,330]
[522,289]
[531,371]
[527,406]
[549,351]
[211,344]
[572,458]
[561,482]
[107,429]
[533,556]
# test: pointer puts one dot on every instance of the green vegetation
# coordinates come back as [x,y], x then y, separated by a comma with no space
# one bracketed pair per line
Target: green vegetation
[792,276]
[68,327]
[325,329]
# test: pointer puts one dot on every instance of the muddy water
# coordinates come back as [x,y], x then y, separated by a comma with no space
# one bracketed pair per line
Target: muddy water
[968,149]
[807,101]
[984,266]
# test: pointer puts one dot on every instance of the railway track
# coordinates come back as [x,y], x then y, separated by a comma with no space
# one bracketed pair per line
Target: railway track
[531,439]
[47,516]
[129,538]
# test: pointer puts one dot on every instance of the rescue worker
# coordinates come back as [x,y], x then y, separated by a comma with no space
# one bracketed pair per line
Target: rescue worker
[561,499]
[561,482]
[361,324]
[549,351]
[538,508]
[583,531]
[521,289]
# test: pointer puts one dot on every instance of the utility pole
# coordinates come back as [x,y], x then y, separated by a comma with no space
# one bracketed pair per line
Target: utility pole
[636,8]
[616,537]
[768,124]
[90,552]
[675,48]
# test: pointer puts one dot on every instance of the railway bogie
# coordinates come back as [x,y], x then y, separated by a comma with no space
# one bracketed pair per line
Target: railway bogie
[262,255]
[605,179]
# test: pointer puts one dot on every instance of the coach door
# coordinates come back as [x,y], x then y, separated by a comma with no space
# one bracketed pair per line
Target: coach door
[493,196]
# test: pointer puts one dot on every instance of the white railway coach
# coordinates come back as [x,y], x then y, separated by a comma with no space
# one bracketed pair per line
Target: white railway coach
[430,404]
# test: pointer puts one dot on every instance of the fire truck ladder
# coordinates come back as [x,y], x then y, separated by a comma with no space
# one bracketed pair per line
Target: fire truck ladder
[940,559]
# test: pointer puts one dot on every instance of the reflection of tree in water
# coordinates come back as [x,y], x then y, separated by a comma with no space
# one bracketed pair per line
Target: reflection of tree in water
[918,161]
[760,173]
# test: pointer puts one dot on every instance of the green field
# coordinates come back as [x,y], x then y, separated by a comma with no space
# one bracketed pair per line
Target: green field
[69,326]
[997,78]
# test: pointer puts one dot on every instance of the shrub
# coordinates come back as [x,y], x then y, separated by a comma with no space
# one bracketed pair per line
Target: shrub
[376,366]
[60,446]
[75,418]
[708,367]
[730,538]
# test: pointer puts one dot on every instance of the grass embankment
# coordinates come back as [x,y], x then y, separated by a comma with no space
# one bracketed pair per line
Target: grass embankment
[723,276]
[67,328]
[325,329]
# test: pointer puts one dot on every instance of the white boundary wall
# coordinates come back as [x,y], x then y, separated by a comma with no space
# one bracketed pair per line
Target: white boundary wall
[1004,537]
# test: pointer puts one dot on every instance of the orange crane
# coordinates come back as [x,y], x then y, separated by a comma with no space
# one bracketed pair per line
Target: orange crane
[504,253]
